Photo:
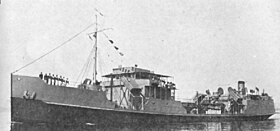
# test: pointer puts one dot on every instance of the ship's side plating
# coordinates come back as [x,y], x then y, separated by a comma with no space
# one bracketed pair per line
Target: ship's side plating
[25,85]
[30,96]
[260,107]
[39,111]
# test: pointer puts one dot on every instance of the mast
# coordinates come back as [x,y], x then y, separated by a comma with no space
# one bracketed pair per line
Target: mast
[95,53]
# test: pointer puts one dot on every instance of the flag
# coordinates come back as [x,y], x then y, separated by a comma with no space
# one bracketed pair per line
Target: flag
[111,41]
[92,35]
[89,37]
[99,12]
[252,91]
[257,89]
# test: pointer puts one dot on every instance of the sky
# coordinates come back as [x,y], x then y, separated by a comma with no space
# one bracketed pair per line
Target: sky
[202,44]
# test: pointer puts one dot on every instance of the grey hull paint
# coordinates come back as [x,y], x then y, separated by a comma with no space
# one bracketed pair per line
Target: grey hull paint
[38,111]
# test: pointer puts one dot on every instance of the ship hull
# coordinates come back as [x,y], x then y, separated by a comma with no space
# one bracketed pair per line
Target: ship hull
[24,110]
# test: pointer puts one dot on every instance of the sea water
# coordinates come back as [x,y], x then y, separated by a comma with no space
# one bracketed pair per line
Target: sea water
[272,124]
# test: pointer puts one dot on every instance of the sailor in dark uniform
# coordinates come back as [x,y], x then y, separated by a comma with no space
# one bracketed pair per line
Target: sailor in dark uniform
[50,78]
[56,80]
[67,82]
[97,82]
[53,79]
[41,75]
[46,78]
[63,81]
[60,80]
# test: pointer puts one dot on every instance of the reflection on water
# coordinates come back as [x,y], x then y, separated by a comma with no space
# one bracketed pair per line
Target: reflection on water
[268,125]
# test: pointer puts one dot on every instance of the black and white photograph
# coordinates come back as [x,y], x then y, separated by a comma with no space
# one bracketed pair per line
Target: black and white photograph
[130,65]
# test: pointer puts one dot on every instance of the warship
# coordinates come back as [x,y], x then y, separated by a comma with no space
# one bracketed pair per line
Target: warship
[129,95]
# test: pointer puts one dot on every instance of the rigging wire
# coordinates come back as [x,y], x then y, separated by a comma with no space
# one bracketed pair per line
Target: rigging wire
[87,69]
[84,67]
[101,63]
[87,66]
[53,49]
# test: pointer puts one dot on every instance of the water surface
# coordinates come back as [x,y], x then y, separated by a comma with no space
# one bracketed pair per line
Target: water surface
[273,124]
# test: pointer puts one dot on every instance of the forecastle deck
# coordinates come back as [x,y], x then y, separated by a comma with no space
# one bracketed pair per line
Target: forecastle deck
[58,94]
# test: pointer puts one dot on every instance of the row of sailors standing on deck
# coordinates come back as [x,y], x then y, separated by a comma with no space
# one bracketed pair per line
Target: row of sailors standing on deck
[167,84]
[54,80]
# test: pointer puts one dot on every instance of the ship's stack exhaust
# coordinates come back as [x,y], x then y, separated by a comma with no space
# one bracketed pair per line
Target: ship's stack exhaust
[241,87]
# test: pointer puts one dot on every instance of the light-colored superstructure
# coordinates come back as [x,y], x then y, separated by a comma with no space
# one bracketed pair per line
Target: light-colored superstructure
[140,89]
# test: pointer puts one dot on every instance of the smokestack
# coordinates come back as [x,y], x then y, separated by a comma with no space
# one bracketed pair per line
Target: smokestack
[241,85]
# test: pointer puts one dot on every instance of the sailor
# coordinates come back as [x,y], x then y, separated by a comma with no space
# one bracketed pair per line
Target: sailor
[46,78]
[41,75]
[208,92]
[60,80]
[53,79]
[63,81]
[67,82]
[223,110]
[97,82]
[50,78]
[56,80]
[243,90]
